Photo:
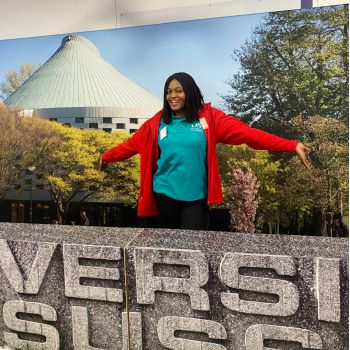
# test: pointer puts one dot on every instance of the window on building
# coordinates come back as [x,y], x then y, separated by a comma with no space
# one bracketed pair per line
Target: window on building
[107,120]
[120,125]
[93,125]
[133,120]
[79,120]
[39,186]
[17,211]
[132,130]
[107,129]
[53,119]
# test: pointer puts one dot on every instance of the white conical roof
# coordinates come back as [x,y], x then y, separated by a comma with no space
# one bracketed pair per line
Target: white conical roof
[76,76]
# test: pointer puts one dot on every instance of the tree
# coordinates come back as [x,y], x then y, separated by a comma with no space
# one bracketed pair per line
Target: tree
[11,149]
[66,160]
[295,63]
[268,172]
[14,79]
[69,168]
[21,141]
[242,194]
[121,177]
[327,184]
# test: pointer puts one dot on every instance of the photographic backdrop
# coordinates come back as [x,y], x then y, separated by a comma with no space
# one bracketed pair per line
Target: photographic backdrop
[285,72]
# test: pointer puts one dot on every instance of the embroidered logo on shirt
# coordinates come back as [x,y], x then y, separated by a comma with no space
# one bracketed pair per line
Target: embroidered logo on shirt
[196,126]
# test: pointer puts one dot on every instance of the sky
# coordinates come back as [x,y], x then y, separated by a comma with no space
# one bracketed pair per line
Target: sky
[149,54]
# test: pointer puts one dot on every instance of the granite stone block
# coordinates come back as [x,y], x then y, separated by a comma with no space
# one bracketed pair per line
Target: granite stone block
[63,287]
[213,290]
[95,288]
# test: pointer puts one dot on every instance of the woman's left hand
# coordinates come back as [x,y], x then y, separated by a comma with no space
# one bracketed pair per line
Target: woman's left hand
[102,166]
[301,151]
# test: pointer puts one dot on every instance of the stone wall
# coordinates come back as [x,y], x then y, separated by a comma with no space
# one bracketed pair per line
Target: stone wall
[91,288]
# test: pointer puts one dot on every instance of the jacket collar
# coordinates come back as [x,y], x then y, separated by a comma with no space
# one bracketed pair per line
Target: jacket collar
[156,118]
[203,112]
[156,121]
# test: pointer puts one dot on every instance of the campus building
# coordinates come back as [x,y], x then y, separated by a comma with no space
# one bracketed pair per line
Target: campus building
[76,87]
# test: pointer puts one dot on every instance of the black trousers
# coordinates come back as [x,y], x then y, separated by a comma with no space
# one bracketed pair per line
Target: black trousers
[187,215]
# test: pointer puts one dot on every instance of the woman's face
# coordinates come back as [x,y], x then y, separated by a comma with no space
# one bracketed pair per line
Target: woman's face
[176,98]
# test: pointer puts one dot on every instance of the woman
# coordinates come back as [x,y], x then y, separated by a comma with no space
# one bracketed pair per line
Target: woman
[179,168]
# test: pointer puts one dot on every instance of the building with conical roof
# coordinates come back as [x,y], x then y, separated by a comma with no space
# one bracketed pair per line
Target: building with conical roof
[78,88]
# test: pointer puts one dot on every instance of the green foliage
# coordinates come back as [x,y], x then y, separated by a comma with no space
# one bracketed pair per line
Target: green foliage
[328,180]
[122,178]
[293,68]
[12,148]
[267,171]
[289,192]
[14,79]
[69,167]
[66,159]
[296,62]
[22,141]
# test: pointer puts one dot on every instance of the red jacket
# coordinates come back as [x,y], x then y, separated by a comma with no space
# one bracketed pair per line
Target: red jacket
[217,126]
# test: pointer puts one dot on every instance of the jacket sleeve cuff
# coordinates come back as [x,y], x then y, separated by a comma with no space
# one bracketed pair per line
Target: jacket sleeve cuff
[106,158]
[293,146]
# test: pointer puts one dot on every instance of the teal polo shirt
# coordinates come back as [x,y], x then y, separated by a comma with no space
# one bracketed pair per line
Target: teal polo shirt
[182,166]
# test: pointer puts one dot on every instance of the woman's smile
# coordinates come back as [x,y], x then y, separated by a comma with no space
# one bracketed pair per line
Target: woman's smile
[176,98]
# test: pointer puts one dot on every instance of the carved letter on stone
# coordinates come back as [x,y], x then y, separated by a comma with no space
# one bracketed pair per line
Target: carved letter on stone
[132,331]
[168,325]
[73,272]
[47,312]
[80,328]
[147,283]
[37,271]
[288,294]
[255,336]
[80,325]
[328,289]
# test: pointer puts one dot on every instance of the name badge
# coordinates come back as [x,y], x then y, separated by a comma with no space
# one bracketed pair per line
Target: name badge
[163,133]
[204,123]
